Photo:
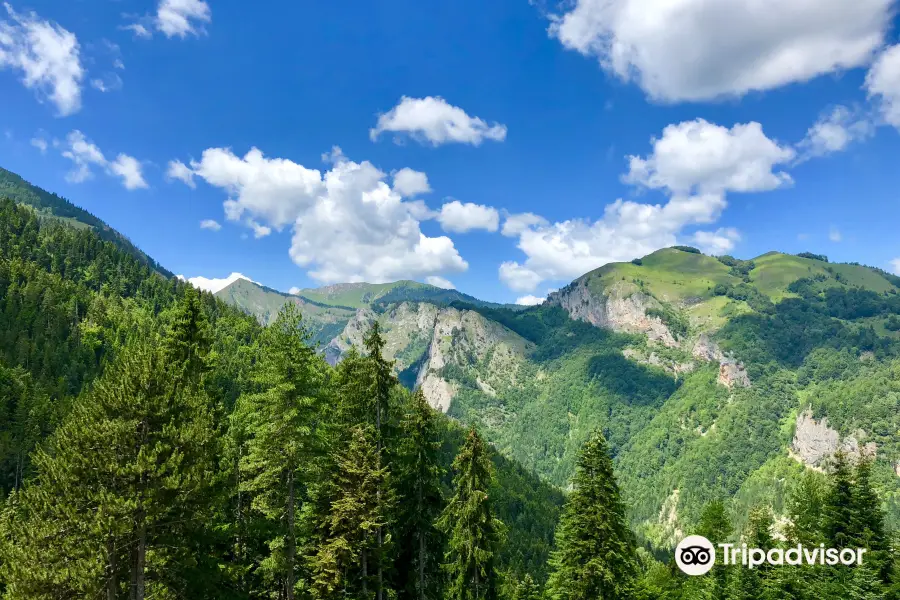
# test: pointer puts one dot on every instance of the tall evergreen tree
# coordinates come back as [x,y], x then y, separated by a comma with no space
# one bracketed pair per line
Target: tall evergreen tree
[129,467]
[838,517]
[341,564]
[419,480]
[474,533]
[281,424]
[595,555]
[383,381]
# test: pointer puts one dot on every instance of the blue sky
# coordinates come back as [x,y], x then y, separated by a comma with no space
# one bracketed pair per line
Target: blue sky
[722,125]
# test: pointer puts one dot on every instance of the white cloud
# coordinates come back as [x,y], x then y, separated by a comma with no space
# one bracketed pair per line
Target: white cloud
[40,143]
[514,224]
[180,171]
[118,64]
[695,163]
[259,230]
[718,242]
[348,223]
[440,282]
[833,132]
[409,183]
[85,154]
[129,169]
[883,84]
[456,217]
[294,291]
[182,17]
[895,266]
[215,285]
[433,120]
[108,83]
[698,50]
[210,224]
[530,300]
[48,57]
[834,234]
[275,190]
[138,30]
[698,155]
[519,278]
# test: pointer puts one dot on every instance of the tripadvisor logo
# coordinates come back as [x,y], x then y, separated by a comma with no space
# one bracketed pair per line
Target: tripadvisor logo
[696,555]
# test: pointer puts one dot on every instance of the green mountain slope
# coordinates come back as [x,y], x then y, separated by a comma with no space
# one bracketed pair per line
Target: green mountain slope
[697,369]
[51,206]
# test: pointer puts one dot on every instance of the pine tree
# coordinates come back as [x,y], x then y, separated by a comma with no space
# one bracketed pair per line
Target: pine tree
[595,555]
[281,424]
[868,521]
[804,510]
[383,381]
[527,589]
[128,468]
[341,564]
[714,526]
[474,533]
[838,511]
[419,479]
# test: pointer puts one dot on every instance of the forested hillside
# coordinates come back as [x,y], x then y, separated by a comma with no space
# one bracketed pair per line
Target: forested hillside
[157,442]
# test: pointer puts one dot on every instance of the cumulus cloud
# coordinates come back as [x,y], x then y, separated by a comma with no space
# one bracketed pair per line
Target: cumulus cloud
[718,242]
[259,230]
[48,57]
[275,191]
[530,300]
[180,18]
[695,164]
[129,169]
[883,84]
[433,120]
[456,217]
[85,155]
[409,183]
[210,224]
[700,156]
[514,224]
[833,132]
[440,282]
[695,50]
[518,277]
[348,224]
[294,291]
[214,285]
[177,170]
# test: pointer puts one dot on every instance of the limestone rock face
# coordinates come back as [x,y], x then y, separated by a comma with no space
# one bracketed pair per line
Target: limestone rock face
[815,442]
[732,373]
[619,309]
[430,338]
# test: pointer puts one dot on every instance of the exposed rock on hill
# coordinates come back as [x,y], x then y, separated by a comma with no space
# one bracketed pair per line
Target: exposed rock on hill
[619,308]
[815,443]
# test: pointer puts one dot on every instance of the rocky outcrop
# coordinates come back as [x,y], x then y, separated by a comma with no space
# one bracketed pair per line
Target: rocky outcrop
[619,308]
[351,337]
[815,443]
[731,372]
[418,333]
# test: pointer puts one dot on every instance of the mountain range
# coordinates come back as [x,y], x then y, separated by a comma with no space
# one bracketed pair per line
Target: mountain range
[711,377]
